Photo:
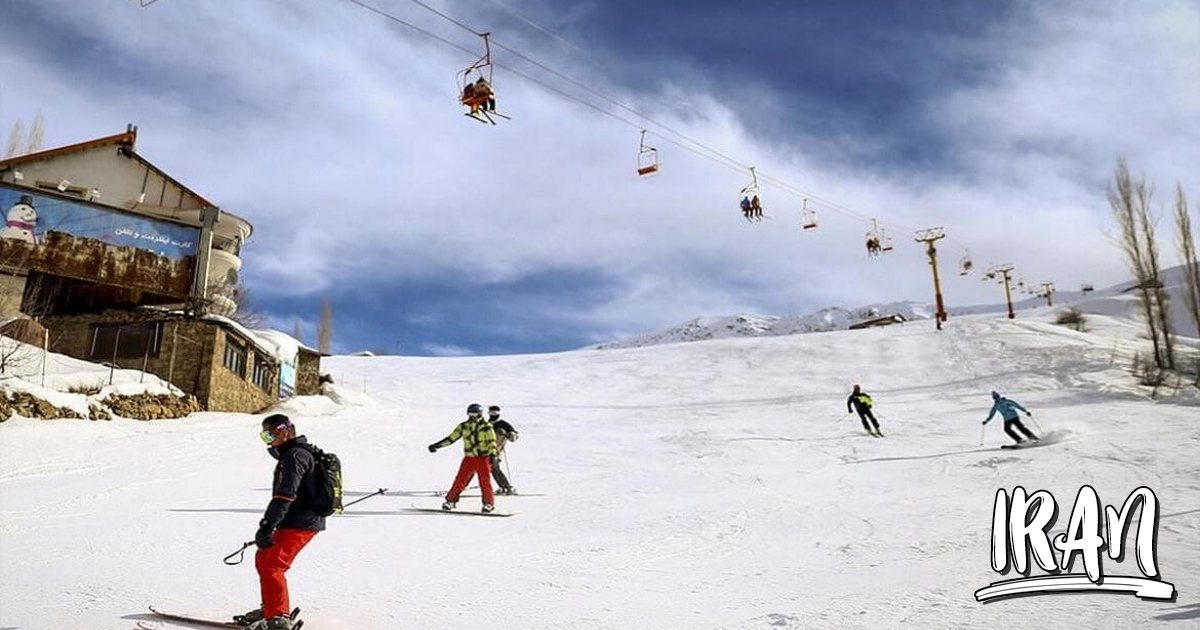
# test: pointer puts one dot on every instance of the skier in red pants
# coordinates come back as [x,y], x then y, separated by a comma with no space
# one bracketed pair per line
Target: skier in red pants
[479,447]
[289,523]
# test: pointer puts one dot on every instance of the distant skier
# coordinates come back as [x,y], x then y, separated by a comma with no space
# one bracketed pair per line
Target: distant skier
[290,522]
[1012,420]
[479,447]
[862,404]
[505,433]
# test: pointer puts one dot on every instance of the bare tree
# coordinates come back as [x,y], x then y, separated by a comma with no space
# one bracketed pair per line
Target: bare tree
[1186,244]
[325,330]
[1130,200]
[296,332]
[16,138]
[36,131]
[1158,291]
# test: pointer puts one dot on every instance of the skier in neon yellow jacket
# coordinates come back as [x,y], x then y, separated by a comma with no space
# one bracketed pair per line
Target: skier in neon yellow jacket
[862,404]
[479,447]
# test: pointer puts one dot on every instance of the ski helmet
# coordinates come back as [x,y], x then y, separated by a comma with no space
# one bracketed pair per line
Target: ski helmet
[474,408]
[276,421]
[495,408]
[995,395]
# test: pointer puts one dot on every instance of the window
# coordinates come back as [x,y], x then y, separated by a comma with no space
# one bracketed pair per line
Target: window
[128,340]
[235,357]
[262,373]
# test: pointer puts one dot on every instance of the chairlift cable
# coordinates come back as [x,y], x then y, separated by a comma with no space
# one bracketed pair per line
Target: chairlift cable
[684,141]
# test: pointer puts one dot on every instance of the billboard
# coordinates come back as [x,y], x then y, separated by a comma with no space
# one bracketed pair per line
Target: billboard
[30,216]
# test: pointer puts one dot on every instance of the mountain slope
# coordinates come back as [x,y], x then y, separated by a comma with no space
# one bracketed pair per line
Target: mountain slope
[717,484]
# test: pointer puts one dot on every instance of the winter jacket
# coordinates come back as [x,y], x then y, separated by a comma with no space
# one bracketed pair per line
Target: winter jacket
[1007,408]
[477,435]
[295,489]
[860,400]
[505,433]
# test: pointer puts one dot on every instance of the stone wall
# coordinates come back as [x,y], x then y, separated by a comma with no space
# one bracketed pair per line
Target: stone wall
[308,373]
[237,392]
[190,356]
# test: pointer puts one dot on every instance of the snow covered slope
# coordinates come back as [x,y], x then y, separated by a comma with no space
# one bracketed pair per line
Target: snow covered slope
[710,485]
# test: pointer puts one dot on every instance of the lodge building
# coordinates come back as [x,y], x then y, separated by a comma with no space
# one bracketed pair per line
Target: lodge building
[123,264]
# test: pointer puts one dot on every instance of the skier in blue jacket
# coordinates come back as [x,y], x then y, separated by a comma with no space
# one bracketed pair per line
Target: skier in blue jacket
[1012,420]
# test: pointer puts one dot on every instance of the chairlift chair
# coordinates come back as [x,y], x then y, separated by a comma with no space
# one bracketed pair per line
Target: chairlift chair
[749,195]
[647,157]
[882,243]
[468,78]
[964,265]
[808,217]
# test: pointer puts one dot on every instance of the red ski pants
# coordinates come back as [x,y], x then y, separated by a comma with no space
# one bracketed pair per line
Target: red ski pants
[470,467]
[272,563]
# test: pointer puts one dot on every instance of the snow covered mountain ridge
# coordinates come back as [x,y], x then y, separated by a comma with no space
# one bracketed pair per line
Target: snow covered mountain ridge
[748,325]
[1115,300]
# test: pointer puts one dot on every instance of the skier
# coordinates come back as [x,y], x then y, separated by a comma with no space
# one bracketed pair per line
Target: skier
[479,447]
[505,433]
[1012,420]
[290,522]
[862,404]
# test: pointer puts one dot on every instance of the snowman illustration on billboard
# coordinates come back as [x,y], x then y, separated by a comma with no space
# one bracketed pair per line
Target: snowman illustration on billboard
[21,221]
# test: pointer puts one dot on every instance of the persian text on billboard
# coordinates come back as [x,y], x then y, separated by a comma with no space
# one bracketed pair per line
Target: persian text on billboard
[29,216]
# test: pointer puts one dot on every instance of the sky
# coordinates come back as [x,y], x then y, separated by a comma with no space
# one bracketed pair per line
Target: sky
[336,132]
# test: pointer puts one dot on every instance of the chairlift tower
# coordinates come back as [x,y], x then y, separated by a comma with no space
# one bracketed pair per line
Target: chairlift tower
[1005,272]
[1048,293]
[930,237]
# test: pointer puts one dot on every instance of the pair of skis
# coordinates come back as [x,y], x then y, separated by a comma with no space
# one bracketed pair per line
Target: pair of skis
[201,621]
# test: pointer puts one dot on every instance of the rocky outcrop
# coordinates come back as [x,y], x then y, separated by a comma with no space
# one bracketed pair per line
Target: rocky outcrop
[137,407]
[151,406]
[30,406]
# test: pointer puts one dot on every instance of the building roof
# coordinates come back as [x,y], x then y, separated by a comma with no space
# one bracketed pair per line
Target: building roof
[127,142]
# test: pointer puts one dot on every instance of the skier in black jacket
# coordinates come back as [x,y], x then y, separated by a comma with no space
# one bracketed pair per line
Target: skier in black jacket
[862,404]
[505,433]
[289,523]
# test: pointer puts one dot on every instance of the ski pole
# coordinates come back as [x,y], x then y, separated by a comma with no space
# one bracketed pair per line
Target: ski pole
[507,472]
[377,492]
[1036,424]
[982,430]
[240,553]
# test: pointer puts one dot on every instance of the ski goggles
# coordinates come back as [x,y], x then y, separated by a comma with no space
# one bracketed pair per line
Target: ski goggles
[267,437]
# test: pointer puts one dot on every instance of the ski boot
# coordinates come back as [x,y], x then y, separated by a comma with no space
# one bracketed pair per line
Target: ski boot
[249,617]
[487,508]
[449,505]
[278,622]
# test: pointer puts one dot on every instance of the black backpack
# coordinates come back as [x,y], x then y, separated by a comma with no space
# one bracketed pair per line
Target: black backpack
[329,481]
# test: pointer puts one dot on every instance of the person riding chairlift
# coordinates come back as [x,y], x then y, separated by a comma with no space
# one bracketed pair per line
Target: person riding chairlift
[873,247]
[487,98]
[756,206]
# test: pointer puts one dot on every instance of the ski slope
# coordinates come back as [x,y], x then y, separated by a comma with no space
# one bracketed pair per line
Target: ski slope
[707,485]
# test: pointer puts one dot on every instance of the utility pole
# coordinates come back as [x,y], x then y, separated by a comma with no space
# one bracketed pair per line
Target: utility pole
[929,237]
[1048,293]
[1005,272]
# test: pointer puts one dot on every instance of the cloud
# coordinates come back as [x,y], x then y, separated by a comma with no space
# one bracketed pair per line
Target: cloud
[338,135]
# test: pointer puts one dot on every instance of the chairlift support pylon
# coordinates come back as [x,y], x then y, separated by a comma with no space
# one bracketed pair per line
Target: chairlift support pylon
[647,157]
